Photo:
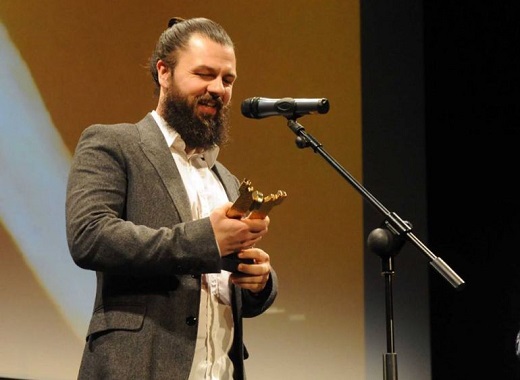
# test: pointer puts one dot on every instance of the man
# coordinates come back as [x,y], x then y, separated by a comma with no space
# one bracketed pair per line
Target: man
[146,209]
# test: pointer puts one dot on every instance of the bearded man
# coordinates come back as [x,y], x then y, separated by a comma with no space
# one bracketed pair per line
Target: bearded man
[146,210]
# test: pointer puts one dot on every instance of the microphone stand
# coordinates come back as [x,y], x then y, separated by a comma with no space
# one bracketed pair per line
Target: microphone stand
[385,241]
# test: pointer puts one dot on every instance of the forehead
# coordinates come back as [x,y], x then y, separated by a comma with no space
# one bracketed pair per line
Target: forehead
[202,51]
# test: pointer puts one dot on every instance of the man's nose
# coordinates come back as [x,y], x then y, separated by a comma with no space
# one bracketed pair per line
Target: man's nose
[216,87]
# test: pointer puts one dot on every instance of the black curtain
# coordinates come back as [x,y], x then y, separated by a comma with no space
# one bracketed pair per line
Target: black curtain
[472,90]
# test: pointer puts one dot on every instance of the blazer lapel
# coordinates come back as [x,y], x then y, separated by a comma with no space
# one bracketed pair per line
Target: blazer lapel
[228,180]
[155,148]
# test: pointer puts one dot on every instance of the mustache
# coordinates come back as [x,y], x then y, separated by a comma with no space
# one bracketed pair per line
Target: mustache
[209,100]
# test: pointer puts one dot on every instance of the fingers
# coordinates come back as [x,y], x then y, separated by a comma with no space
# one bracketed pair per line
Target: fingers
[236,234]
[257,254]
[248,243]
[248,237]
[257,225]
[253,283]
[253,277]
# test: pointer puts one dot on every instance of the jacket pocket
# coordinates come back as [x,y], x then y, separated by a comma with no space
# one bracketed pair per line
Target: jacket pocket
[109,317]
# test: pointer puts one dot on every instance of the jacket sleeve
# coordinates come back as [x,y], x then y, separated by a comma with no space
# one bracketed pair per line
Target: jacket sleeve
[120,217]
[256,304]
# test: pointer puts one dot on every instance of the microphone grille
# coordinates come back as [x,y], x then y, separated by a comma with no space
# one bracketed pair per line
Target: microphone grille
[249,107]
[323,106]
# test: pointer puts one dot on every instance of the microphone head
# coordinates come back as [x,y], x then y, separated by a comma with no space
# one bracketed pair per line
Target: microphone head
[258,107]
[323,105]
[249,107]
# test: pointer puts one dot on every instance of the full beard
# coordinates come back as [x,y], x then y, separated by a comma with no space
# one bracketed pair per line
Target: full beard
[198,130]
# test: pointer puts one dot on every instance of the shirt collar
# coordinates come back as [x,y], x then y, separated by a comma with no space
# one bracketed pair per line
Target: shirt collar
[175,141]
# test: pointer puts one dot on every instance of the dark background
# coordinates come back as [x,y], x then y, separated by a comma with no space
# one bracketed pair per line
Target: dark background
[472,155]
[440,91]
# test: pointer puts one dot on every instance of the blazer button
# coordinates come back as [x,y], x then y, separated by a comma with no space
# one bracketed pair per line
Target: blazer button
[191,321]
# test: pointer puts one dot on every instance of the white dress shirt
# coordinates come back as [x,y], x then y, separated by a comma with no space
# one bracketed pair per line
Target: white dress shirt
[215,328]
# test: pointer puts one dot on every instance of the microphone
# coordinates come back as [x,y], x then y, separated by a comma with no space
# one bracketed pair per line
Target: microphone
[258,108]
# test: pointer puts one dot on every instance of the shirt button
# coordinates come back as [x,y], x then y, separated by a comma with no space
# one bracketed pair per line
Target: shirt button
[191,321]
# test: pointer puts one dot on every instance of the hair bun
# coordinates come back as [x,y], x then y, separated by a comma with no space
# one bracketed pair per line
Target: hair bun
[174,20]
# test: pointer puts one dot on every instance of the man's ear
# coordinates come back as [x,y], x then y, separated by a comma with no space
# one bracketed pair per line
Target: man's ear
[163,73]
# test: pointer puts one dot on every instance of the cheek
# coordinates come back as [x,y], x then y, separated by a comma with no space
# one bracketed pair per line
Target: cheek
[185,87]
[188,85]
[227,96]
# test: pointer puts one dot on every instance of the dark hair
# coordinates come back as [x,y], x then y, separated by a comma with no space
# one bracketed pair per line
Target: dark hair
[176,37]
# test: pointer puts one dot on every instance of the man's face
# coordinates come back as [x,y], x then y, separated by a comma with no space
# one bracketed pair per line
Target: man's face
[206,67]
[196,98]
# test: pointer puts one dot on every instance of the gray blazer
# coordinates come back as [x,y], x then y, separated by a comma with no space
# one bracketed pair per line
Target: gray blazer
[128,218]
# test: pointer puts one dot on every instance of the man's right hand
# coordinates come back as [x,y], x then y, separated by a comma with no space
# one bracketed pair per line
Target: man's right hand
[234,235]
